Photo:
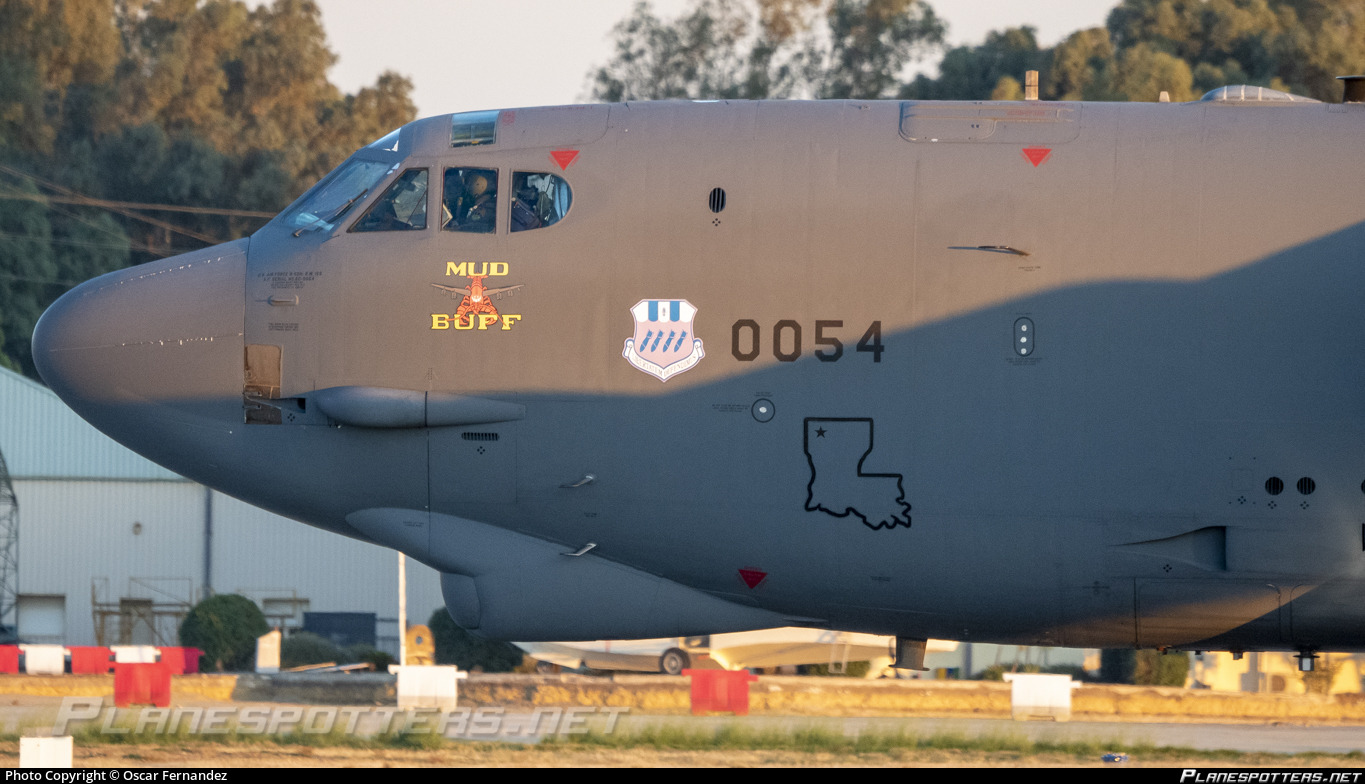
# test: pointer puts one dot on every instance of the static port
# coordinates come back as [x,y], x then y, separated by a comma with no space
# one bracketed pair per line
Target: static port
[1025,341]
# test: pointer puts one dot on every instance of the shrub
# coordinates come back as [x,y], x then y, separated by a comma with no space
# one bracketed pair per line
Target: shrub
[301,648]
[1118,665]
[377,659]
[1155,668]
[225,628]
[1319,681]
[853,669]
[996,672]
[467,651]
[1144,668]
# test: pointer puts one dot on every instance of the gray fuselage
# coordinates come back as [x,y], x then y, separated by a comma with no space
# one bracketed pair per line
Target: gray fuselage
[1044,373]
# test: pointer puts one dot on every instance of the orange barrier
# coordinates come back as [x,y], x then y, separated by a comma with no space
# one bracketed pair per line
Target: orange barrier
[181,661]
[725,691]
[9,659]
[142,684]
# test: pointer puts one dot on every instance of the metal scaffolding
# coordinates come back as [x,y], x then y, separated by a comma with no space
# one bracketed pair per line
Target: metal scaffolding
[148,613]
[9,556]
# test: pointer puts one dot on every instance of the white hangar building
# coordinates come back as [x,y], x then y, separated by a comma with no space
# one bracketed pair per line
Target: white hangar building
[115,549]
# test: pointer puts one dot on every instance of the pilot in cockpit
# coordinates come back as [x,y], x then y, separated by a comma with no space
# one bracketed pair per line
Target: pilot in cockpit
[470,200]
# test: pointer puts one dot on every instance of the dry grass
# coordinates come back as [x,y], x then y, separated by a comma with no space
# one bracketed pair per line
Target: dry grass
[497,755]
[727,746]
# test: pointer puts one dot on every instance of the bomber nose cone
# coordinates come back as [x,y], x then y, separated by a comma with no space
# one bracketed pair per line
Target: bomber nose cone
[141,349]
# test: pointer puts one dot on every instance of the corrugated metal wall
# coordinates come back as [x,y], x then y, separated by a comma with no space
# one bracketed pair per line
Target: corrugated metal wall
[41,437]
[254,550]
[146,540]
[92,513]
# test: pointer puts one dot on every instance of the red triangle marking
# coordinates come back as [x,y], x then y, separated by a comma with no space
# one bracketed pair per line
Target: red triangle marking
[1036,155]
[752,577]
[564,157]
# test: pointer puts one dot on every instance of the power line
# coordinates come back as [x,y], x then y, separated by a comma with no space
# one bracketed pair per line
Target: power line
[120,210]
[129,245]
[88,201]
[46,281]
[110,231]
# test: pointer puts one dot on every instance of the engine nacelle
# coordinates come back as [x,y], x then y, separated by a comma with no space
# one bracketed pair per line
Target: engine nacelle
[508,586]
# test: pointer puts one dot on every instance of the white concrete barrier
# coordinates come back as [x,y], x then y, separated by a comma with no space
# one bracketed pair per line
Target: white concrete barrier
[428,686]
[44,659]
[45,752]
[268,653]
[134,654]
[1038,696]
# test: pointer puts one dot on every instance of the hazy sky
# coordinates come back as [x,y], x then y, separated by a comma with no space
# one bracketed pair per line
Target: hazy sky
[482,54]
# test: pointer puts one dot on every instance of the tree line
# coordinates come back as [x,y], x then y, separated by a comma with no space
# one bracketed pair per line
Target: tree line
[864,48]
[204,103]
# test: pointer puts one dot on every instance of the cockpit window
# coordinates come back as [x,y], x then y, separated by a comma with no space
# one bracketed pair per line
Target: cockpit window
[470,128]
[470,200]
[538,200]
[403,207]
[330,200]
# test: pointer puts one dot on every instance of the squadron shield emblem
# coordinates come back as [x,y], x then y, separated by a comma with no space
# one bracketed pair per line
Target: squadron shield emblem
[665,343]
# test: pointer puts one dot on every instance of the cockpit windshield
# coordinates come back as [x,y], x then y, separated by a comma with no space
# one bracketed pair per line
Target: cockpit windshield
[388,144]
[330,200]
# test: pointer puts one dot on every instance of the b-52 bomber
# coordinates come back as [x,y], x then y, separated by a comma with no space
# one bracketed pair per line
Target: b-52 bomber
[1075,374]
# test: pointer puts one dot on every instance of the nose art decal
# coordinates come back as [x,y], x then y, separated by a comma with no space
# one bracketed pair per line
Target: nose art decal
[476,309]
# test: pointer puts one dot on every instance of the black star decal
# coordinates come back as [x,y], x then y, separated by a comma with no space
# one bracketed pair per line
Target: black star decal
[819,432]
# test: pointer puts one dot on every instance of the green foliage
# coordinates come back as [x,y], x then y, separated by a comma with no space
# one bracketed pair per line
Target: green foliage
[819,739]
[1142,72]
[853,669]
[1319,681]
[225,628]
[1076,671]
[1118,665]
[379,661]
[301,648]
[705,53]
[768,49]
[206,103]
[871,42]
[26,260]
[1008,89]
[996,672]
[1154,668]
[975,71]
[1295,45]
[1078,64]
[1144,667]
[467,651]
[859,48]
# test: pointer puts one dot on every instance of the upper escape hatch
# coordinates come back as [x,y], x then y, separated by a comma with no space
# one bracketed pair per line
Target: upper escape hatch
[981,121]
